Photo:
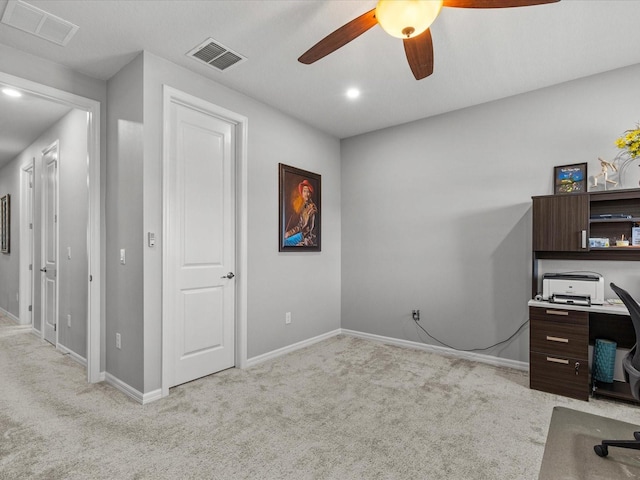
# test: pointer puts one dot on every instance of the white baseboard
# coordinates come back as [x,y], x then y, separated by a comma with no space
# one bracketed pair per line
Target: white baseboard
[152,396]
[128,390]
[290,348]
[73,355]
[10,316]
[476,357]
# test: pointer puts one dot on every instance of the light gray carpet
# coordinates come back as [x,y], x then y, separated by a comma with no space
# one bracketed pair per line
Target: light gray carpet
[569,454]
[8,327]
[343,409]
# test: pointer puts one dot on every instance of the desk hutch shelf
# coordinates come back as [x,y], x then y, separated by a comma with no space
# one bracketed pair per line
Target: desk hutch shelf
[562,227]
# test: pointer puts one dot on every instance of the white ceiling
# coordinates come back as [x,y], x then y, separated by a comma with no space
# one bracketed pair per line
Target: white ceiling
[480,55]
[23,120]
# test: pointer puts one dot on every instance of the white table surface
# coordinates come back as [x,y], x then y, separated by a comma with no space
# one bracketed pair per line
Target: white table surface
[606,308]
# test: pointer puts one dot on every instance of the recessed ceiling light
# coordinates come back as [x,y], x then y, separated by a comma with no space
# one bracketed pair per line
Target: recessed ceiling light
[11,92]
[353,93]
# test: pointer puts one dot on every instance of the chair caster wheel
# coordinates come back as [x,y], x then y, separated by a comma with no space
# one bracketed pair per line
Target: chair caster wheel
[601,450]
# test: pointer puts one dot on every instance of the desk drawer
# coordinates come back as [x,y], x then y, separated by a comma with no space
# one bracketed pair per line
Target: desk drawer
[563,335]
[555,374]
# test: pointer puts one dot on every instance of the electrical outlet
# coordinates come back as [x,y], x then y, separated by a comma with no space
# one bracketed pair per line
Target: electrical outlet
[416,315]
[118,341]
[287,318]
[123,256]
[69,320]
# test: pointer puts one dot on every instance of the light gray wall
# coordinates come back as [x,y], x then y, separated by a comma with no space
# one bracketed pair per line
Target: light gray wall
[623,274]
[432,215]
[276,282]
[436,214]
[308,285]
[71,132]
[10,262]
[45,72]
[124,307]
[73,214]
[40,70]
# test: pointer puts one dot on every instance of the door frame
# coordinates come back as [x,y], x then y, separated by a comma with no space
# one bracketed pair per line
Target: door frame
[94,274]
[172,95]
[55,148]
[27,197]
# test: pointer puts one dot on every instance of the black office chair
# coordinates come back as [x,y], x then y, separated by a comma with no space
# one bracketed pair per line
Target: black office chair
[631,365]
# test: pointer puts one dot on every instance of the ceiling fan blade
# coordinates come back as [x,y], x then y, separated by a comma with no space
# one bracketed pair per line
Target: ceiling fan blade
[419,52]
[340,37]
[494,3]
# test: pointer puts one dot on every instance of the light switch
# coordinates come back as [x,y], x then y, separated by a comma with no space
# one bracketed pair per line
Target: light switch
[123,257]
[69,253]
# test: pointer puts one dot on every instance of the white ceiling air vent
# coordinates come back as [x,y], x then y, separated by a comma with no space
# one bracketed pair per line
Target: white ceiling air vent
[215,55]
[42,24]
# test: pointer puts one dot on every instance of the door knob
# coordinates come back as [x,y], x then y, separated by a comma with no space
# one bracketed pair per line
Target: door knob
[229,275]
[44,269]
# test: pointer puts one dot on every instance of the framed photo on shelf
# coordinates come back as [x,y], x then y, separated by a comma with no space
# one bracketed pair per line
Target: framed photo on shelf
[570,179]
[5,223]
[299,193]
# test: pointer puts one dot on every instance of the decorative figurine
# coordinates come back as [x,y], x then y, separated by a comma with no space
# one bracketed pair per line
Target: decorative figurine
[604,172]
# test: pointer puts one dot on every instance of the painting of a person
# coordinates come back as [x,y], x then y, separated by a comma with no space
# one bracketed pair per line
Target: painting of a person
[301,229]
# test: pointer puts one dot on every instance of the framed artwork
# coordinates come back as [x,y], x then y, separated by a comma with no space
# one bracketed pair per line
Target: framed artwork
[5,223]
[299,195]
[570,179]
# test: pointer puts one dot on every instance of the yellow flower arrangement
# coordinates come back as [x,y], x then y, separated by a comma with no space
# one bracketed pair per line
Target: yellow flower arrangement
[630,142]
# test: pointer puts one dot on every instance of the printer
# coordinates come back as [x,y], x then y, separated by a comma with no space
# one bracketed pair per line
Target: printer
[573,289]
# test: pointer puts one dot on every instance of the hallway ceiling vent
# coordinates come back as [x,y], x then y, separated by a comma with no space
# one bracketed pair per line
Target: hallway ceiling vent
[216,55]
[35,21]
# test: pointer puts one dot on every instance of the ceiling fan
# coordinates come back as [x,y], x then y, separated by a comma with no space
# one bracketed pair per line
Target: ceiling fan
[406,19]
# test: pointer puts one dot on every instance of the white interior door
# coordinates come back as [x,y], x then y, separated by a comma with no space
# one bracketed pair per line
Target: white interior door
[200,248]
[49,269]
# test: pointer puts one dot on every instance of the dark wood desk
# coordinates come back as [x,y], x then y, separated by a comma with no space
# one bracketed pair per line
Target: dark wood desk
[560,336]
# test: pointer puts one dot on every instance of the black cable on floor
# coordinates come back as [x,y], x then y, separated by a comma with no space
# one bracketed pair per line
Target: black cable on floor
[471,349]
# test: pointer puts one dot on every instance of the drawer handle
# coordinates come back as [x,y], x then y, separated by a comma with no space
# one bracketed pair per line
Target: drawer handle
[558,360]
[557,312]
[557,339]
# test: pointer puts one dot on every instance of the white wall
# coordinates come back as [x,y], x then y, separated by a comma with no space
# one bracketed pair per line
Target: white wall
[436,214]
[71,133]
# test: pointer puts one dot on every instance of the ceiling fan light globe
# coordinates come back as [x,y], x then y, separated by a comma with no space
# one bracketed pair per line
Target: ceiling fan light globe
[407,18]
